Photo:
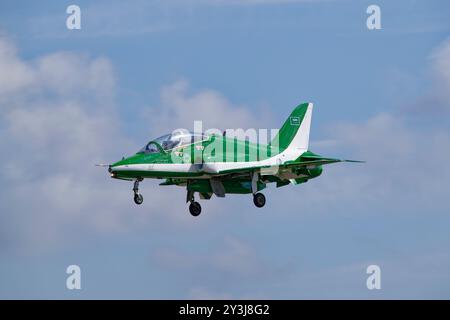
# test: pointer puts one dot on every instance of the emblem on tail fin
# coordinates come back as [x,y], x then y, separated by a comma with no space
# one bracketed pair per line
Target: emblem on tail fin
[295,121]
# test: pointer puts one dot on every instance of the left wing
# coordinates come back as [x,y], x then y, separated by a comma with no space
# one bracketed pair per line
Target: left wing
[311,159]
[306,160]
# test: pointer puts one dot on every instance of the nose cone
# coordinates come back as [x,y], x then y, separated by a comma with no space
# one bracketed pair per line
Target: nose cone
[122,165]
[122,168]
[133,166]
[135,159]
[118,163]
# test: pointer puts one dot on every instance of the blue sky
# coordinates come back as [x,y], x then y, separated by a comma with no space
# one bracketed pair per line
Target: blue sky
[69,99]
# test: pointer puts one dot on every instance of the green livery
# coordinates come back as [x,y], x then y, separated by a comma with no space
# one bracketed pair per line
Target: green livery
[220,164]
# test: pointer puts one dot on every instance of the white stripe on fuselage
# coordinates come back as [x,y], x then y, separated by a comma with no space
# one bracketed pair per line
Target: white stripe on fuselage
[297,147]
[159,167]
[212,168]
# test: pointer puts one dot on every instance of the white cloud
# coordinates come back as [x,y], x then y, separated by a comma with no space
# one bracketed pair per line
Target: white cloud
[436,100]
[15,74]
[58,119]
[440,67]
[51,137]
[402,183]
[179,108]
[404,169]
[70,74]
[441,63]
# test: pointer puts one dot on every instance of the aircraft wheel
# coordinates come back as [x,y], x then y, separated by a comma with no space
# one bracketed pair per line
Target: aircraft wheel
[138,198]
[195,209]
[259,200]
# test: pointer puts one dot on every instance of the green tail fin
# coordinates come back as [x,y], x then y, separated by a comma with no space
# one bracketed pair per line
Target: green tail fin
[295,131]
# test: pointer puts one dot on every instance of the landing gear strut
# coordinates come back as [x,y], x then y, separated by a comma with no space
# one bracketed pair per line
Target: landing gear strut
[259,200]
[194,207]
[138,198]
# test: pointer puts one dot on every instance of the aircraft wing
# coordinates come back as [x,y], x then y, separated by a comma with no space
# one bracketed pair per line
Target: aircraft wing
[306,160]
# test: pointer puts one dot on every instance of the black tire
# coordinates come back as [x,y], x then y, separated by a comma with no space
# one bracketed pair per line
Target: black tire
[259,200]
[138,198]
[195,209]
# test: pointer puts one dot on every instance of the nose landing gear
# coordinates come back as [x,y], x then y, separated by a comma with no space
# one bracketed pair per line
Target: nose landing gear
[138,198]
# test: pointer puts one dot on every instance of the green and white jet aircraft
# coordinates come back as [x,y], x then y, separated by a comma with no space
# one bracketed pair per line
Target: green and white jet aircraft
[218,164]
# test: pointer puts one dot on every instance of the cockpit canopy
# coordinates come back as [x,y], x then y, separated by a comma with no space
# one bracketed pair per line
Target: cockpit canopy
[173,140]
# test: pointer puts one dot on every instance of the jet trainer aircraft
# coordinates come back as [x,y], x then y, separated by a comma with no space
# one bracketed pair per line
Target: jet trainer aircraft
[218,164]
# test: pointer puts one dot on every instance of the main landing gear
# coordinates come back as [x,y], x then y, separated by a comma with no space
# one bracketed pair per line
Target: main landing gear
[194,207]
[138,198]
[259,200]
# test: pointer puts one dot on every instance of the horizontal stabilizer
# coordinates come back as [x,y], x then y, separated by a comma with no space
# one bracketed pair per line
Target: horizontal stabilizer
[310,158]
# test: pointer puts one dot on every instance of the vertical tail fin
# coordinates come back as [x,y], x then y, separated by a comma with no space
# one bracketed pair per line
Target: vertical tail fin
[294,134]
